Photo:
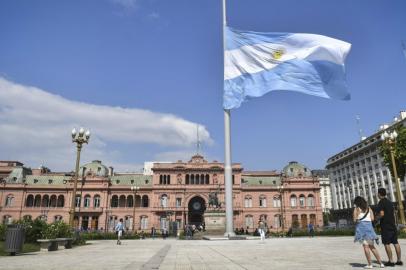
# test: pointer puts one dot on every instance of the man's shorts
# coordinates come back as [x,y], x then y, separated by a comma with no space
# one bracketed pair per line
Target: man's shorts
[389,237]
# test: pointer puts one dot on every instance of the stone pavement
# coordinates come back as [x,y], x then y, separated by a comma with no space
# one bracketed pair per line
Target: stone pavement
[275,253]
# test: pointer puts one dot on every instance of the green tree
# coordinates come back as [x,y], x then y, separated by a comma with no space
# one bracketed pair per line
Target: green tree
[399,148]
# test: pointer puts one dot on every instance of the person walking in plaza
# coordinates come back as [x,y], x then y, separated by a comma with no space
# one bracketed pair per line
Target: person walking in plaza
[262,230]
[119,231]
[389,234]
[310,229]
[153,232]
[364,232]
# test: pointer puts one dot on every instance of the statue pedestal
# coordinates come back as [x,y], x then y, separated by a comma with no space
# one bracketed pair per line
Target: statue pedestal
[215,222]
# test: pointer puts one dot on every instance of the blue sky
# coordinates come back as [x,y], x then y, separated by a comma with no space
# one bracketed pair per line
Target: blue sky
[142,73]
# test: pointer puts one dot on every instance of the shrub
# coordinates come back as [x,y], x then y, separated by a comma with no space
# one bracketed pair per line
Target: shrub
[33,229]
[58,229]
[2,232]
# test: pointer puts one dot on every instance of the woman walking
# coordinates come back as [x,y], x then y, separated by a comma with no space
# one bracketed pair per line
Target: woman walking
[364,232]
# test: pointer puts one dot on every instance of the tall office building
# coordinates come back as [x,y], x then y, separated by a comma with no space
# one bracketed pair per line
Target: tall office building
[360,170]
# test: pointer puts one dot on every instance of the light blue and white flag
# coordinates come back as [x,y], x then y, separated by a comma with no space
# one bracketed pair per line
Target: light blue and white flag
[257,63]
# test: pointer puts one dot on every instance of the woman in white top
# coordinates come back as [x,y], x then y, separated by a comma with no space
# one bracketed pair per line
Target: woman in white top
[364,232]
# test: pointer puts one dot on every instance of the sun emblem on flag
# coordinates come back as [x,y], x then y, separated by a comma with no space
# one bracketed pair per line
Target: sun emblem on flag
[278,53]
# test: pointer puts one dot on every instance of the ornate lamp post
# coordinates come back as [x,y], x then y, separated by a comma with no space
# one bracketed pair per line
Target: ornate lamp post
[390,139]
[79,138]
[134,189]
[280,190]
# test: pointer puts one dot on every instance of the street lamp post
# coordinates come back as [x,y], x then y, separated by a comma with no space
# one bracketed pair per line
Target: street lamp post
[280,189]
[134,189]
[390,139]
[79,138]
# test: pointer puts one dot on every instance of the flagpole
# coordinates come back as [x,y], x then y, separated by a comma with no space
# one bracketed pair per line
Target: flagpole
[227,152]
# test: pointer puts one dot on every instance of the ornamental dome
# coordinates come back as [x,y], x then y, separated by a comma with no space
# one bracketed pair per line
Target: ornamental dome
[295,169]
[94,168]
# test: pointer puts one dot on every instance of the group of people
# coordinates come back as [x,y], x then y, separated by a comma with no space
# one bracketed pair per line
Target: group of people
[365,234]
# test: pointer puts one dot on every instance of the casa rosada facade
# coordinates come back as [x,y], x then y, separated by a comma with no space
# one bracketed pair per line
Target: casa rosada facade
[172,192]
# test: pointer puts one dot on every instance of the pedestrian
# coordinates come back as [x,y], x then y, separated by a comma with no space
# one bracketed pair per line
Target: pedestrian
[153,232]
[389,234]
[246,230]
[364,232]
[262,230]
[290,232]
[310,229]
[119,231]
[163,231]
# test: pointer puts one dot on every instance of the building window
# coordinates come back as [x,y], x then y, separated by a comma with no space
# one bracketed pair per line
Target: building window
[144,223]
[187,179]
[30,201]
[61,201]
[277,223]
[178,202]
[310,201]
[7,219]
[164,200]
[122,201]
[77,202]
[249,222]
[293,201]
[248,201]
[86,202]
[277,202]
[114,201]
[9,201]
[96,201]
[262,201]
[302,200]
[145,201]
[58,218]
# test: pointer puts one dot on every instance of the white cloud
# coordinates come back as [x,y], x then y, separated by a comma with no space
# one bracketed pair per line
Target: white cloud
[154,15]
[126,4]
[35,127]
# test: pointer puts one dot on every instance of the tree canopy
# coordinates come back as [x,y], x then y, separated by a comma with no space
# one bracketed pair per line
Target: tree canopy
[399,148]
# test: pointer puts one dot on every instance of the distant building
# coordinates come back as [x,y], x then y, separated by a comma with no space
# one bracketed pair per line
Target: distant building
[359,170]
[174,192]
[325,189]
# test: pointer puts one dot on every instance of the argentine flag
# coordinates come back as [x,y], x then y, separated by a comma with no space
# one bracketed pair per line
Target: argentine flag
[257,63]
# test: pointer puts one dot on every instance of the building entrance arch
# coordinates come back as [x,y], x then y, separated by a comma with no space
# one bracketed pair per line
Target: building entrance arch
[196,208]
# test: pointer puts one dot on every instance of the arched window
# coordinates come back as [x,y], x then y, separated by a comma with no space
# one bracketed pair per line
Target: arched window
[86,202]
[276,202]
[27,217]
[128,222]
[249,221]
[45,201]
[192,179]
[37,201]
[96,201]
[295,221]
[303,219]
[144,222]
[130,201]
[248,201]
[310,201]
[164,200]
[207,179]
[114,201]
[302,201]
[57,218]
[187,179]
[262,201]
[9,200]
[121,202]
[168,180]
[7,219]
[202,179]
[145,201]
[53,201]
[264,218]
[293,201]
[313,219]
[164,177]
[197,179]
[277,221]
[137,201]
[161,180]
[78,201]
[30,201]
[61,201]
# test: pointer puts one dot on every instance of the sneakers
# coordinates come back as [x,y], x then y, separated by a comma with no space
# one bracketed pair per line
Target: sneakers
[391,264]
[399,263]
[382,265]
[369,266]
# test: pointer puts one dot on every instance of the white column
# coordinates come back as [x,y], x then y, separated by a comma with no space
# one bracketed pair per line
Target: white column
[344,196]
[334,195]
[371,197]
[376,185]
[390,184]
[340,200]
[364,192]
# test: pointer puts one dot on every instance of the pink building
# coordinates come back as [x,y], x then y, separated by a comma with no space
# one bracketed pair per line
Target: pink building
[175,192]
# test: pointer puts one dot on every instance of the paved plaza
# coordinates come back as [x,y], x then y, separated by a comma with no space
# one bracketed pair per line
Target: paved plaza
[276,253]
